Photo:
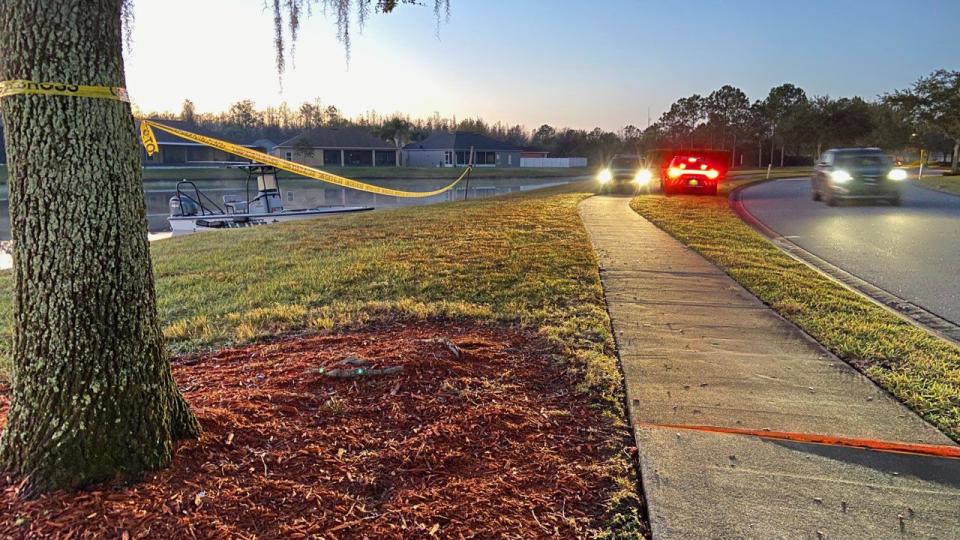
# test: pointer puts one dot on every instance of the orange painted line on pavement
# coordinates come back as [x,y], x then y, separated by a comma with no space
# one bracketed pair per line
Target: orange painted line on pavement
[936,450]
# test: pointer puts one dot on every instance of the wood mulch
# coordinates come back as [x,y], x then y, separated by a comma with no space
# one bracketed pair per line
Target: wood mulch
[493,443]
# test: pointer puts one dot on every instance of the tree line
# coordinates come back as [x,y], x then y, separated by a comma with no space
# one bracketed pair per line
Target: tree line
[786,127]
[790,127]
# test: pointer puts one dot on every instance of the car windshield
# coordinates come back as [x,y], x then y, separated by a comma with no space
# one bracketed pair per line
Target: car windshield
[625,163]
[863,161]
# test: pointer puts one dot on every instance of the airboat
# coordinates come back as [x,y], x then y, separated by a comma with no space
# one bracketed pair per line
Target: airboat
[191,210]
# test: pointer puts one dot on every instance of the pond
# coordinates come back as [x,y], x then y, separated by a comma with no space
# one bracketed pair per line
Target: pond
[304,193]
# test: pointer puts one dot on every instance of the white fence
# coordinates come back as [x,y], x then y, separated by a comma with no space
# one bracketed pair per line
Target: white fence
[559,162]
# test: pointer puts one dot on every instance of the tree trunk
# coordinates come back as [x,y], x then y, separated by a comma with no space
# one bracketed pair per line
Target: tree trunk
[782,147]
[759,152]
[955,166]
[93,395]
[773,140]
[733,153]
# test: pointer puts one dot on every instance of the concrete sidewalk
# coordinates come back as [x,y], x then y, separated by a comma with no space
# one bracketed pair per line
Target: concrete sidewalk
[698,349]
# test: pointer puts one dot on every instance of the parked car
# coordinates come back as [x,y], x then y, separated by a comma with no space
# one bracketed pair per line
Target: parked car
[856,173]
[691,173]
[624,173]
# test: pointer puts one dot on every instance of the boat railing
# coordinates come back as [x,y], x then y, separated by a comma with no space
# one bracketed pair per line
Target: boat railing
[199,198]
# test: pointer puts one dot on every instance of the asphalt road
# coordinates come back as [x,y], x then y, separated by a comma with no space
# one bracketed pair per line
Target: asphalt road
[912,251]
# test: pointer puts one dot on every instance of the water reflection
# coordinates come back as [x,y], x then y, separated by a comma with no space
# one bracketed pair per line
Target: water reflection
[310,194]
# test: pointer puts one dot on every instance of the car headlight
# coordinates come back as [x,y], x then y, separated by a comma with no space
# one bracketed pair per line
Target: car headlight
[643,177]
[897,175]
[840,176]
[605,176]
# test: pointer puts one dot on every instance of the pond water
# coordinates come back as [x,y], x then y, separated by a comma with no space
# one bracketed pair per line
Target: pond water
[299,193]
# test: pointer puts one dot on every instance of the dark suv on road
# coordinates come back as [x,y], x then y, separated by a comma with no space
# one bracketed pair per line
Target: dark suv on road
[856,173]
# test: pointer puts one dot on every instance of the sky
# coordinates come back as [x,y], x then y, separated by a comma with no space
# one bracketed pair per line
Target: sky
[568,63]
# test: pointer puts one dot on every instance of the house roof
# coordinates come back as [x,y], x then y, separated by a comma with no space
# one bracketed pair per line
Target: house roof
[346,137]
[266,144]
[166,138]
[461,140]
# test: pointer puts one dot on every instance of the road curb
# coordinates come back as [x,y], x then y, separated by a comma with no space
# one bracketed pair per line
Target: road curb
[935,190]
[906,310]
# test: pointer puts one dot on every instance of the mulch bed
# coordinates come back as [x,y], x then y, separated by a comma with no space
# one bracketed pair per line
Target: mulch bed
[493,443]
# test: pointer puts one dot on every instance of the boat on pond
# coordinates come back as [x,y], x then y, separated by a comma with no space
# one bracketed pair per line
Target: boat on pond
[193,211]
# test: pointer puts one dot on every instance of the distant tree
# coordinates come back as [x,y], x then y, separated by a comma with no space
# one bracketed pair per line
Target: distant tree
[758,126]
[933,103]
[188,112]
[303,146]
[332,117]
[782,102]
[544,136]
[516,135]
[892,128]
[396,130]
[310,115]
[682,119]
[728,108]
[473,125]
[244,114]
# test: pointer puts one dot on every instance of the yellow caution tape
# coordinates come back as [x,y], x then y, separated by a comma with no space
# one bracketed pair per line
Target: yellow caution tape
[149,141]
[20,86]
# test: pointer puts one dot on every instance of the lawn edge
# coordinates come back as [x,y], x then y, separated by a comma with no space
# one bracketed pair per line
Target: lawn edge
[859,368]
[922,185]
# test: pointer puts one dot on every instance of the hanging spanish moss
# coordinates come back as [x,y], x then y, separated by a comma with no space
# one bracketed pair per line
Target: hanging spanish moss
[343,10]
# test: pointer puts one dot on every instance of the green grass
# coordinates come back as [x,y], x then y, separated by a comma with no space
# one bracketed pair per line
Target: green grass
[950,184]
[919,368]
[523,259]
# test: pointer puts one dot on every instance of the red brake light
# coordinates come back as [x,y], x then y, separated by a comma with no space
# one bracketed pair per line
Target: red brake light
[692,159]
[703,166]
[713,174]
[674,172]
[683,165]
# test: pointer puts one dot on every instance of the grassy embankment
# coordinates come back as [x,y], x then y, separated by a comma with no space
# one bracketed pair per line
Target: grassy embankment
[950,184]
[919,368]
[522,259]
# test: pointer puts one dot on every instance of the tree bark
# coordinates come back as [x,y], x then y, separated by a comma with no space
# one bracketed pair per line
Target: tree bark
[93,395]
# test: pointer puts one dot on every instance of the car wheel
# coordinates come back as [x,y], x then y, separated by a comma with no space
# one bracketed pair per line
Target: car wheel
[816,195]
